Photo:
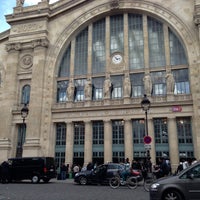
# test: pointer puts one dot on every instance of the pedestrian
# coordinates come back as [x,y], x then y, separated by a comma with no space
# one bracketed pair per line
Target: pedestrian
[194,160]
[5,172]
[75,169]
[90,166]
[63,171]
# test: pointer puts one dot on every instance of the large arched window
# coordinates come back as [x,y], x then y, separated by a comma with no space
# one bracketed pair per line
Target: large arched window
[146,44]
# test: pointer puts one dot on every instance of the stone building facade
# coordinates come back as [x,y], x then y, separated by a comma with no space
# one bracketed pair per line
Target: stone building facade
[82,67]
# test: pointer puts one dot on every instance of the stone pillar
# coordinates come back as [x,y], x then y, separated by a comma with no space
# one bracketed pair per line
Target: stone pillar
[34,124]
[128,139]
[107,141]
[69,153]
[173,143]
[8,99]
[151,134]
[88,143]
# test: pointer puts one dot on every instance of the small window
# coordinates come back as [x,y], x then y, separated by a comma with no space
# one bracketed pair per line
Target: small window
[25,94]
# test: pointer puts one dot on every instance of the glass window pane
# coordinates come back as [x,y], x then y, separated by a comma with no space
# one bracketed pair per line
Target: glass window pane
[26,94]
[81,53]
[177,52]
[136,41]
[61,91]
[64,69]
[160,130]
[118,132]
[98,132]
[184,128]
[182,84]
[79,133]
[116,34]
[159,83]
[137,85]
[98,47]
[117,86]
[156,43]
[98,88]
[138,131]
[79,89]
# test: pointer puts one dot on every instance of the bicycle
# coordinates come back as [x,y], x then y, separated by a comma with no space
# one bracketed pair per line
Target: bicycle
[148,181]
[116,181]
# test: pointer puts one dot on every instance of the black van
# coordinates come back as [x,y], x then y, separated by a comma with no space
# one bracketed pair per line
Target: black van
[33,168]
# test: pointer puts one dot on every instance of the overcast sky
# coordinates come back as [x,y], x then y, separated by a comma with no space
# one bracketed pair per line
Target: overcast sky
[6,7]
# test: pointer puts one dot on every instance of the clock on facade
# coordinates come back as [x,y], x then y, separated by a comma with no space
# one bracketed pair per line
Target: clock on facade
[117,58]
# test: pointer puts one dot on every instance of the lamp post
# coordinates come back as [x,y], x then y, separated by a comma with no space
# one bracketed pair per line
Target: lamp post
[24,114]
[145,104]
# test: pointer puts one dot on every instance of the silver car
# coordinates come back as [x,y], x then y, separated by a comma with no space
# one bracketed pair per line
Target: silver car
[183,186]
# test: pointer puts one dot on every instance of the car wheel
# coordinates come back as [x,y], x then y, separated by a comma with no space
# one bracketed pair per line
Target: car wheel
[83,180]
[35,179]
[172,195]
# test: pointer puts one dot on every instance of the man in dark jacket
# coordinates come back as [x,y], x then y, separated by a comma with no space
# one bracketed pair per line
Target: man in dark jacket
[5,173]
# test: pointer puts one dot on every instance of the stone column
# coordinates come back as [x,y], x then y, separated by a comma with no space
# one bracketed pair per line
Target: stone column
[107,141]
[173,143]
[128,139]
[151,134]
[8,99]
[88,143]
[34,124]
[69,153]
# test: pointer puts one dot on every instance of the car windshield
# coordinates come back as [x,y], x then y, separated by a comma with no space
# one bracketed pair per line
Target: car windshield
[195,171]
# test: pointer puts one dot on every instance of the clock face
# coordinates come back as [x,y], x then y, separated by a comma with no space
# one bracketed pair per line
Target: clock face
[117,59]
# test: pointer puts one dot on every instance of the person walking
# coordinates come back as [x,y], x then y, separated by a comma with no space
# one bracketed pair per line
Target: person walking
[63,171]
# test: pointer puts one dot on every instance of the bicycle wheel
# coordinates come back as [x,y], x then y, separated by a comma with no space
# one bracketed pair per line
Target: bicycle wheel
[147,183]
[114,182]
[132,182]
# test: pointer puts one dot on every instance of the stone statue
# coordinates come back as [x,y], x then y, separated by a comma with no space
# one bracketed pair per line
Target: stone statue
[170,83]
[20,2]
[70,90]
[147,84]
[107,87]
[127,86]
[88,90]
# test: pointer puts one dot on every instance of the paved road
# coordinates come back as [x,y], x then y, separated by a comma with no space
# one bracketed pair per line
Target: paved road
[68,190]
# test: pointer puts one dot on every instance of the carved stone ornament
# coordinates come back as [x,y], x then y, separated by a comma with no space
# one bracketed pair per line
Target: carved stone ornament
[13,46]
[114,4]
[40,42]
[26,61]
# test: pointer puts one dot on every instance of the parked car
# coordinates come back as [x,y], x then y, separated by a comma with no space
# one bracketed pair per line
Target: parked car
[99,175]
[183,186]
[32,168]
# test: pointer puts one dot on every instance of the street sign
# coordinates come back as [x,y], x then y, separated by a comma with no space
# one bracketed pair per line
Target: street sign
[147,146]
[147,139]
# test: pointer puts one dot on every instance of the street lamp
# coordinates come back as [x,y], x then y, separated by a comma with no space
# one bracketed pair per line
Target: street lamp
[145,104]
[24,114]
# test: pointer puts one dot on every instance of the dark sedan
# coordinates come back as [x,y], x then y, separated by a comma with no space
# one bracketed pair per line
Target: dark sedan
[100,175]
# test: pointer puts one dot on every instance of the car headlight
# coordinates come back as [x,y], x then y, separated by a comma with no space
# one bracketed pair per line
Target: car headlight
[155,186]
[76,174]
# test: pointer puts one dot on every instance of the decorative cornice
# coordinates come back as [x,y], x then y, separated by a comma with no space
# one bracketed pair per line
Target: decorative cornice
[44,42]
